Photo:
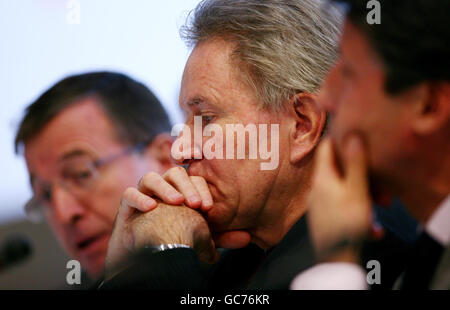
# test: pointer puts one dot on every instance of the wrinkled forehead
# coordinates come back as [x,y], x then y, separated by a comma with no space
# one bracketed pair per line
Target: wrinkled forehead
[211,76]
[46,164]
[81,128]
[209,62]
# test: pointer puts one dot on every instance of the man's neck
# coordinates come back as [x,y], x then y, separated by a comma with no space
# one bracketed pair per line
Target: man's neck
[422,202]
[286,205]
[269,236]
[422,194]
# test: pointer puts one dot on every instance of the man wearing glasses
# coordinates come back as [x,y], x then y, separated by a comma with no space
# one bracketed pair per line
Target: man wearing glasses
[85,140]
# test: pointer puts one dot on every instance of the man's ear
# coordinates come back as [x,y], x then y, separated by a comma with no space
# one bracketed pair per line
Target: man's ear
[310,121]
[433,112]
[159,150]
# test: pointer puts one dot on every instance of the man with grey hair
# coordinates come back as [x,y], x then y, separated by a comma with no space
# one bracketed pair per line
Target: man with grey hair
[253,62]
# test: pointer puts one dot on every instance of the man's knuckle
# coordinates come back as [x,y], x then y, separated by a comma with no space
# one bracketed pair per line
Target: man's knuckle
[141,200]
[128,193]
[198,180]
[172,173]
[195,179]
[150,177]
[179,169]
[176,172]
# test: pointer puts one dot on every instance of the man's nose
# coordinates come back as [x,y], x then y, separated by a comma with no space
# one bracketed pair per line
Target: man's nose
[65,208]
[185,150]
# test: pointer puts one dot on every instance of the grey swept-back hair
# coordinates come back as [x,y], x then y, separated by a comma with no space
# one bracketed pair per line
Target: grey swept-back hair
[287,46]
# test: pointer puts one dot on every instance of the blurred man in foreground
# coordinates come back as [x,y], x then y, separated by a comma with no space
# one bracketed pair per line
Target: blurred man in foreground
[85,140]
[254,63]
[389,97]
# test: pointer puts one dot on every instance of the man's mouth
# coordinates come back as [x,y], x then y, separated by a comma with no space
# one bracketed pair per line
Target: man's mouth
[87,243]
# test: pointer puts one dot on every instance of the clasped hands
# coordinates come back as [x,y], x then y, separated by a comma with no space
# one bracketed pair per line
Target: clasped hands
[167,209]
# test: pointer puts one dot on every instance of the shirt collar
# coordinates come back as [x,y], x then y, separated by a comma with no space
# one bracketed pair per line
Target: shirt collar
[438,226]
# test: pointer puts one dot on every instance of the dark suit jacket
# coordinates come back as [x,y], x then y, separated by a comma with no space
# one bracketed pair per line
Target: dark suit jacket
[249,267]
[253,268]
[394,249]
[409,259]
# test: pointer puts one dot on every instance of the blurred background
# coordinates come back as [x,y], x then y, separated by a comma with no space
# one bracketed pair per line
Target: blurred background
[42,41]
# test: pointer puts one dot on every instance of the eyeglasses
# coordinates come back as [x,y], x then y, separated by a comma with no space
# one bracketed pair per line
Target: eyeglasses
[78,176]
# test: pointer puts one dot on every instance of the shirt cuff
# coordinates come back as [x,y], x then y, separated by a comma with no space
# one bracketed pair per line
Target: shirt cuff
[331,276]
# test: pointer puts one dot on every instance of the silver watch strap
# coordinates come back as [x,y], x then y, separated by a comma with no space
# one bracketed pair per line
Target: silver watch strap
[164,247]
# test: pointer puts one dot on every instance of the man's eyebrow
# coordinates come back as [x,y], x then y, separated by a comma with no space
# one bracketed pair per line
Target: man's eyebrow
[191,104]
[72,154]
[195,101]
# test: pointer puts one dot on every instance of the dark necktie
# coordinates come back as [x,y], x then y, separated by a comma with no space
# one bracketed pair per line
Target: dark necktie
[425,257]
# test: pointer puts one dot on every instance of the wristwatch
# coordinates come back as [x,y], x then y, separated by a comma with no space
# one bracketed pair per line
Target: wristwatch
[164,247]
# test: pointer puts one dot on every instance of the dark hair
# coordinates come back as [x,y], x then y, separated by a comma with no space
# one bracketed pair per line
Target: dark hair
[413,39]
[137,114]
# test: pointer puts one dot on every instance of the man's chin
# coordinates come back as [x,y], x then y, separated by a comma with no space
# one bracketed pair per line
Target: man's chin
[94,263]
[218,218]
[232,239]
[95,269]
[379,190]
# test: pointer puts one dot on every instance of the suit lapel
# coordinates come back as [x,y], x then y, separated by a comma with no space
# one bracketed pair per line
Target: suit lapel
[441,279]
[290,257]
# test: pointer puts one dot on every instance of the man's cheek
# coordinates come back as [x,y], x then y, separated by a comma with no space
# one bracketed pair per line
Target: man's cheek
[105,208]
[348,120]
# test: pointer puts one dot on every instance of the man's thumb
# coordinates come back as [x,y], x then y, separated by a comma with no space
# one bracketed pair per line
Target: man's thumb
[207,252]
[235,239]
[356,163]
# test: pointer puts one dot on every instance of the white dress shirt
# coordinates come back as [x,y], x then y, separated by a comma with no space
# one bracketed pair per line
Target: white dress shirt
[438,226]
